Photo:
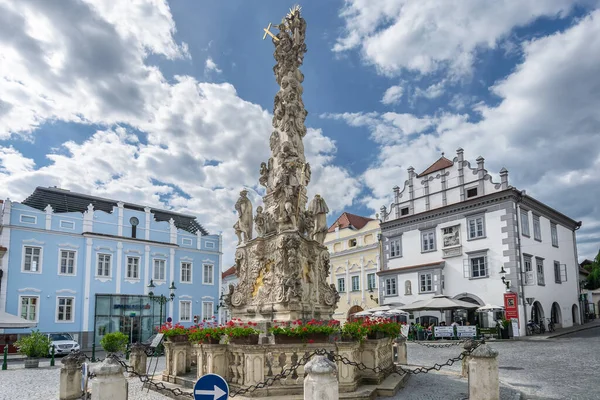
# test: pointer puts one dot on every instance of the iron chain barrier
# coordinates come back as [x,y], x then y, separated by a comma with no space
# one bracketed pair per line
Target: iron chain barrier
[470,345]
[439,345]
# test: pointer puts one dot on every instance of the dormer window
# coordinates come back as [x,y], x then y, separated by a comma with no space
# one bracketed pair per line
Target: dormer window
[134,223]
[404,211]
[471,192]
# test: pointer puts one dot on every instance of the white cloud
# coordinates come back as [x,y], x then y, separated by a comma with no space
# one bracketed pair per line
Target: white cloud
[427,35]
[211,66]
[545,130]
[392,95]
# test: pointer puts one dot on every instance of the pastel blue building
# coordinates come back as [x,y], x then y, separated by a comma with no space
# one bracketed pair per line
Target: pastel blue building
[83,264]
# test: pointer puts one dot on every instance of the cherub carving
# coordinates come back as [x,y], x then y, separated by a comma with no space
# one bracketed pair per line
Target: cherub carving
[264,174]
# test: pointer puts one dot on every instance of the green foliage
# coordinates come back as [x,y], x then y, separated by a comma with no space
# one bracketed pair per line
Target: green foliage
[355,330]
[114,342]
[302,330]
[237,328]
[593,279]
[200,334]
[34,345]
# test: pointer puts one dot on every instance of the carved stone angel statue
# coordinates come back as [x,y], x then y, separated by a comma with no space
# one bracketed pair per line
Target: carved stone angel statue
[243,226]
[260,222]
[319,209]
[264,174]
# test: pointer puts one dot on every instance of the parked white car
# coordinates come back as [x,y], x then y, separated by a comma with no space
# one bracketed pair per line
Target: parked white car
[63,343]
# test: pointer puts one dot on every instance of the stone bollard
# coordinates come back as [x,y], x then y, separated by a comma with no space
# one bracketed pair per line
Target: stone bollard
[320,379]
[469,344]
[484,382]
[70,376]
[138,358]
[109,382]
[400,353]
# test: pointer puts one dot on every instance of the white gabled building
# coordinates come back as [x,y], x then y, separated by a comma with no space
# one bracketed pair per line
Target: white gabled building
[451,230]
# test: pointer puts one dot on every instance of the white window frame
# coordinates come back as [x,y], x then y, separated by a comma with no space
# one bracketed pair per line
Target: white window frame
[431,286]
[187,242]
[212,275]
[191,280]
[554,233]
[37,307]
[60,251]
[430,247]
[391,287]
[110,261]
[56,311]
[369,281]
[525,223]
[470,261]
[212,312]
[209,244]
[529,279]
[540,262]
[396,251]
[40,260]
[155,263]
[181,314]
[537,233]
[28,216]
[63,221]
[355,279]
[341,285]
[129,278]
[478,234]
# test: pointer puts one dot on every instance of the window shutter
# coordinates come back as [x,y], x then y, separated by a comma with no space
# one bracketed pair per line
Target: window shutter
[466,265]
[485,266]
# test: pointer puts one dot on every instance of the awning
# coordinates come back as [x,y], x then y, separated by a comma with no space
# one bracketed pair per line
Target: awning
[9,321]
[439,303]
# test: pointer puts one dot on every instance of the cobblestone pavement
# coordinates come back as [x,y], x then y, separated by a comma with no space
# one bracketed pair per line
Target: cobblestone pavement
[562,368]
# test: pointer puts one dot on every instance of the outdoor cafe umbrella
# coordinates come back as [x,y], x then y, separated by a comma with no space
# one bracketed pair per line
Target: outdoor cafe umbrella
[9,321]
[382,308]
[362,314]
[389,313]
[489,308]
[439,303]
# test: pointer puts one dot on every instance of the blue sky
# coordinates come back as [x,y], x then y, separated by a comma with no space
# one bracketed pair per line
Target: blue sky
[168,103]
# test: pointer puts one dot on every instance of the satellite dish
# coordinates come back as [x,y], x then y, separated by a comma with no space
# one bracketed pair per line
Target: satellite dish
[134,221]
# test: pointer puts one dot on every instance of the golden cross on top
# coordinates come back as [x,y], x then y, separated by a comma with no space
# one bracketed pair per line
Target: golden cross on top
[268,32]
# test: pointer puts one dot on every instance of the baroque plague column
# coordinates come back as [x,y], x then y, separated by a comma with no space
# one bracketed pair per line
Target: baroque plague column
[283,270]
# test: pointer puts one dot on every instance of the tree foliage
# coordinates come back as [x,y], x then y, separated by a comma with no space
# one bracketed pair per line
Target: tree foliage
[593,279]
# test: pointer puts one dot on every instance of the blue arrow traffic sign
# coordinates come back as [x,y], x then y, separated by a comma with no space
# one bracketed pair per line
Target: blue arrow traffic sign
[211,387]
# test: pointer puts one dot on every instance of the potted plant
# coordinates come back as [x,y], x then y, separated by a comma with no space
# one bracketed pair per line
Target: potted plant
[241,333]
[353,331]
[174,333]
[313,331]
[34,346]
[379,328]
[114,342]
[206,334]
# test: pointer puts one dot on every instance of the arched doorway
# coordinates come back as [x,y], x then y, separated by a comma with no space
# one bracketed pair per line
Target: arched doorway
[555,315]
[353,310]
[464,316]
[575,314]
[537,312]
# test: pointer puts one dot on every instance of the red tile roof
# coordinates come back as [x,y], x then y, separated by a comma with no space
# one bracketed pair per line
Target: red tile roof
[229,272]
[440,164]
[346,220]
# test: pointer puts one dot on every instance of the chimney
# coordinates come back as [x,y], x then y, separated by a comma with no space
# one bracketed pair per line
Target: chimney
[461,157]
[504,178]
[480,161]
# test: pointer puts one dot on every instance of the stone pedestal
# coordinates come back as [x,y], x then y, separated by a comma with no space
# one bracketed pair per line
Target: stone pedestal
[484,383]
[70,377]
[320,382]
[347,374]
[400,352]
[376,353]
[109,382]
[138,358]
[176,358]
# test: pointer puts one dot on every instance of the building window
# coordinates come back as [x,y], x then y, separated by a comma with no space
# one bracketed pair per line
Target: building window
[471,192]
[67,262]
[185,311]
[554,234]
[28,219]
[186,272]
[133,268]
[341,285]
[395,248]
[351,243]
[31,259]
[64,309]
[428,241]
[371,281]
[210,245]
[207,276]
[476,226]
[478,267]
[67,224]
[355,283]
[29,307]
[426,280]
[528,270]
[404,211]
[537,230]
[186,241]
[525,223]
[207,310]
[160,270]
[560,272]
[539,263]
[390,287]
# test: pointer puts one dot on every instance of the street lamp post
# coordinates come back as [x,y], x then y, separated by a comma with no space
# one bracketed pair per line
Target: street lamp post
[162,299]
